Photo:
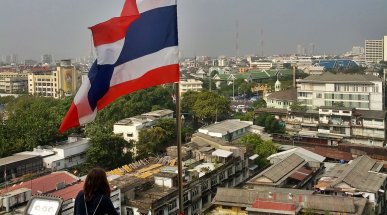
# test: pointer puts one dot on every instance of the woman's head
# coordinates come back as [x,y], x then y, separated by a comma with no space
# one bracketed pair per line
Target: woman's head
[96,183]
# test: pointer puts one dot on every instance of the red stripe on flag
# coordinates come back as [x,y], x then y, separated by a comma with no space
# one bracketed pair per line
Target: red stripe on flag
[112,30]
[70,120]
[130,8]
[161,75]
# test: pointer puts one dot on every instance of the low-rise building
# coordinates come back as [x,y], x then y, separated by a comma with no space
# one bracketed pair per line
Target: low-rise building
[362,177]
[18,165]
[335,124]
[270,200]
[281,99]
[131,127]
[64,154]
[209,162]
[227,130]
[291,172]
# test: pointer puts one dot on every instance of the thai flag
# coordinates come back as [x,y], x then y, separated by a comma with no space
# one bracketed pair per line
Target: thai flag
[137,50]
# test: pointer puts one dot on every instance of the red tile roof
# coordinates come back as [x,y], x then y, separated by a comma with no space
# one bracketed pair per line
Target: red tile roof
[264,204]
[45,183]
[301,174]
[332,153]
[69,192]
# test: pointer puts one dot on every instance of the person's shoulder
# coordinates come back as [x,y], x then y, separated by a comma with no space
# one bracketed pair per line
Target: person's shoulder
[80,194]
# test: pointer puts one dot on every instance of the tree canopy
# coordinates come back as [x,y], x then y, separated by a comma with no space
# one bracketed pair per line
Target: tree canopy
[108,151]
[270,123]
[263,148]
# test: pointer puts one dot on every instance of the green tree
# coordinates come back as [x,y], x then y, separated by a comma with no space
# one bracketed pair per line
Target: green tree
[169,126]
[259,103]
[271,124]
[263,148]
[297,106]
[34,121]
[210,107]
[248,116]
[151,141]
[108,151]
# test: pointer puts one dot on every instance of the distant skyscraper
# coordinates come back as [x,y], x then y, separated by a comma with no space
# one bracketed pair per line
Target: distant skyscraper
[15,59]
[300,49]
[373,51]
[7,59]
[47,58]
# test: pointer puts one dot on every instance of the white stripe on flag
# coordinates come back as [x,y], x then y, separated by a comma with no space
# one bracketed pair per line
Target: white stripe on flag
[109,53]
[146,5]
[85,114]
[138,67]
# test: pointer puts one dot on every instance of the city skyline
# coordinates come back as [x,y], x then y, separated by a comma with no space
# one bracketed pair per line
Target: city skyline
[205,27]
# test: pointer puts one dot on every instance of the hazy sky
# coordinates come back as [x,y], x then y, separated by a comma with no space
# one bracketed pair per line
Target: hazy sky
[31,28]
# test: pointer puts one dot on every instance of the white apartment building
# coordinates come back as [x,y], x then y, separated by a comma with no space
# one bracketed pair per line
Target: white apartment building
[63,155]
[190,84]
[364,92]
[266,65]
[64,81]
[373,51]
[130,127]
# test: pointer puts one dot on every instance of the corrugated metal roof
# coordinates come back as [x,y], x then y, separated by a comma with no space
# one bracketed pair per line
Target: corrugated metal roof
[282,168]
[357,175]
[330,203]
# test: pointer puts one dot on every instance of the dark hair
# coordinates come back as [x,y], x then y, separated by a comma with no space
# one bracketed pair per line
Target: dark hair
[96,183]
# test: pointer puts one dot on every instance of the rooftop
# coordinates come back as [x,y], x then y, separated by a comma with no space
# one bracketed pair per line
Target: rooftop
[69,192]
[158,113]
[225,126]
[341,78]
[16,158]
[305,154]
[45,184]
[355,174]
[373,114]
[279,171]
[284,95]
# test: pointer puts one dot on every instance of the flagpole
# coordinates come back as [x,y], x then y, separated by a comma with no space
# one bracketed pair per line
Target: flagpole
[179,159]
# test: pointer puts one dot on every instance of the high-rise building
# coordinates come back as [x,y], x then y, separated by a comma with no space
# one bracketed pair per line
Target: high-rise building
[385,49]
[47,58]
[64,81]
[373,51]
[14,58]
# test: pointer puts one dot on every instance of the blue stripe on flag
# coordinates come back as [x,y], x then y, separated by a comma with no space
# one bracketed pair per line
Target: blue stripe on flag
[99,76]
[154,30]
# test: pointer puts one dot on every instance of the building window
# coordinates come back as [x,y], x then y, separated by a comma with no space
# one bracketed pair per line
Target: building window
[214,181]
[160,212]
[172,205]
[319,95]
[195,192]
[185,197]
[58,163]
[204,186]
[129,135]
[70,159]
[195,206]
